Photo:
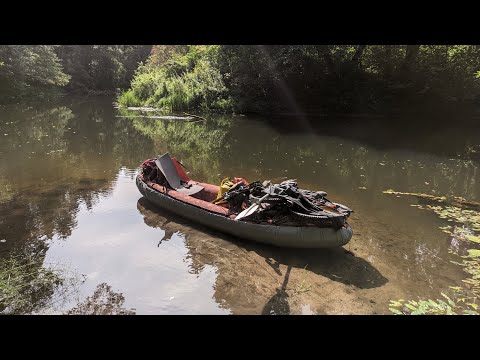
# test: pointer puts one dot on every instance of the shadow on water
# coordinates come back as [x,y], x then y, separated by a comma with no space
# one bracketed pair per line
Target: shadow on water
[423,131]
[336,264]
[207,246]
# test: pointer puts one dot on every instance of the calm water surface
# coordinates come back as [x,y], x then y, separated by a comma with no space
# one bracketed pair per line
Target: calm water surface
[68,195]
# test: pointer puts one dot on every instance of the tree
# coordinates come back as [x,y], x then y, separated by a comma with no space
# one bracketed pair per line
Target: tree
[29,66]
[101,67]
[358,54]
[410,55]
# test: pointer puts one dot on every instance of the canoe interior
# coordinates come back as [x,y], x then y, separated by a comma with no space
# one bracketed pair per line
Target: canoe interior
[203,199]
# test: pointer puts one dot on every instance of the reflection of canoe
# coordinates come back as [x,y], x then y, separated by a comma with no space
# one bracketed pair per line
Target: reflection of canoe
[200,209]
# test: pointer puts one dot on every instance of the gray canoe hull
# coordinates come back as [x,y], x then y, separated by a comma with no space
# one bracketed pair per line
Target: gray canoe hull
[284,236]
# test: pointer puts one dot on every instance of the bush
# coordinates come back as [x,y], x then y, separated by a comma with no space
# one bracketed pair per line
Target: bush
[185,81]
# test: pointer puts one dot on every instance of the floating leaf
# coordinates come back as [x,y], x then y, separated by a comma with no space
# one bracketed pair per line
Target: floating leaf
[411,307]
[473,253]
[473,305]
[395,311]
[473,238]
[396,303]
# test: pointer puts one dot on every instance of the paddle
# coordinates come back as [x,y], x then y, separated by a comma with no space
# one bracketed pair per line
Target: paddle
[252,208]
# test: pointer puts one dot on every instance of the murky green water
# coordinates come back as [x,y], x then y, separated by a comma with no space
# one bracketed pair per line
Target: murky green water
[67,194]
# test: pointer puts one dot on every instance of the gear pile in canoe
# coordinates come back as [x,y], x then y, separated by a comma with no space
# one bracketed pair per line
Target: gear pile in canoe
[277,214]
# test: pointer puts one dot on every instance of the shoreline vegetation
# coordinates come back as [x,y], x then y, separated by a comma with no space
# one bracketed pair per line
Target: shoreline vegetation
[305,79]
[270,79]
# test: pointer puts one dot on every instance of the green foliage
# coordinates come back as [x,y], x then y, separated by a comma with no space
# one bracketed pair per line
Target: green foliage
[160,54]
[27,68]
[303,286]
[259,78]
[431,307]
[39,70]
[183,81]
[128,98]
[250,78]
[101,68]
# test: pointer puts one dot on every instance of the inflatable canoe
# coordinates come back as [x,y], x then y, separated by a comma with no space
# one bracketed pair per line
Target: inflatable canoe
[194,201]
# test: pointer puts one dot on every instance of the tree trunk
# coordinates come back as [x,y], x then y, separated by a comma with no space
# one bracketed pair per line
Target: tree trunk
[450,200]
[412,51]
[388,62]
[358,54]
[325,52]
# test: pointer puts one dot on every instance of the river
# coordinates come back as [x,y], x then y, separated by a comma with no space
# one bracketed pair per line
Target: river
[68,195]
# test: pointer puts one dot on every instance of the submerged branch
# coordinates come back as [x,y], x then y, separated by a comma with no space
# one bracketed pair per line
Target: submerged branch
[450,200]
[195,116]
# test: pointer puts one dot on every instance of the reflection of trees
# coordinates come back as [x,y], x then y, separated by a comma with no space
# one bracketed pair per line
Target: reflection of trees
[201,146]
[27,286]
[255,151]
[57,158]
[104,301]
[54,160]
[6,191]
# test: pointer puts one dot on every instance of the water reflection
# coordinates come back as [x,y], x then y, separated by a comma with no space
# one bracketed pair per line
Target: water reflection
[67,192]
[104,301]
[29,286]
[51,162]
[244,283]
[352,172]
[250,147]
[51,165]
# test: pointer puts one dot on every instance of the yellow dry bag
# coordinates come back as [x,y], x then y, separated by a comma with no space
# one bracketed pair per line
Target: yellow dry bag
[226,184]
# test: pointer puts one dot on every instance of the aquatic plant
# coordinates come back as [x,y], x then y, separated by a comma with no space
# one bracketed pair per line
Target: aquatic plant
[303,286]
[452,200]
[431,307]
[27,286]
[462,300]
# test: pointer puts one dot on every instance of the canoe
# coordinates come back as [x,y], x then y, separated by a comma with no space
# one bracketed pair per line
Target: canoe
[199,208]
